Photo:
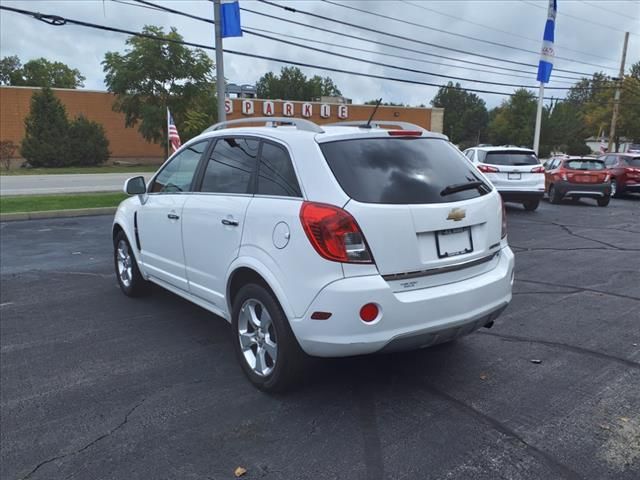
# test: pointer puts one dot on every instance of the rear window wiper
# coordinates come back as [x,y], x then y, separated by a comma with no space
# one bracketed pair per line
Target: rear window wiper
[459,187]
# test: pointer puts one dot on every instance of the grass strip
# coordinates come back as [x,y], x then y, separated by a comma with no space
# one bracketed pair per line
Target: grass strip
[67,170]
[40,203]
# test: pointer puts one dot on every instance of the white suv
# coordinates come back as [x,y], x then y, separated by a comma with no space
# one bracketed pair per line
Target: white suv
[515,172]
[329,242]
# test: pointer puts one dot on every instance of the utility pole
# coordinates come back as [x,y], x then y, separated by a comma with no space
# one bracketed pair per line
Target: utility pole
[616,99]
[220,85]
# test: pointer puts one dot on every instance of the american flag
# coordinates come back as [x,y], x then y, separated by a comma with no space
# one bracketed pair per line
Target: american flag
[174,137]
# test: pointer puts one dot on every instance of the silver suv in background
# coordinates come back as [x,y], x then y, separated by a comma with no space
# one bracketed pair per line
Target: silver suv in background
[515,172]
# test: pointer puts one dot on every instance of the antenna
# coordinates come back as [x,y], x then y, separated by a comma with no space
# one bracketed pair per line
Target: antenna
[368,125]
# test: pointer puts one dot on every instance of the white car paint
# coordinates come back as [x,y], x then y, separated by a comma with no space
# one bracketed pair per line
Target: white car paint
[196,256]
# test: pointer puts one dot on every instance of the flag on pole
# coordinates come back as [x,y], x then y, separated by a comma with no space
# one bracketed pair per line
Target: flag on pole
[174,138]
[230,18]
[546,55]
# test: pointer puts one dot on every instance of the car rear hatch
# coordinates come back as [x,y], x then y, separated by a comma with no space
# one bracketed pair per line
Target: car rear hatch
[427,215]
[585,171]
[512,169]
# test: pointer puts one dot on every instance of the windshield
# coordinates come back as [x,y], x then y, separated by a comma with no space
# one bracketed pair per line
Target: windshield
[584,165]
[403,170]
[510,158]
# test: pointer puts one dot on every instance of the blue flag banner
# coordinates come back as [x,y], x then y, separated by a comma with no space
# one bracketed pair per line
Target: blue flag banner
[230,17]
[546,55]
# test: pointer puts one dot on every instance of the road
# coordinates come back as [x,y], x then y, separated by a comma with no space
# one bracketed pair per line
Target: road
[64,183]
[96,385]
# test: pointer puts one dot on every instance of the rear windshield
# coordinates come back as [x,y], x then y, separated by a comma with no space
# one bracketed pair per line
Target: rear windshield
[401,170]
[585,165]
[510,158]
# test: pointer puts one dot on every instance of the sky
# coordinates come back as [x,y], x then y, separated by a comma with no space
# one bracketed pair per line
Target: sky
[589,37]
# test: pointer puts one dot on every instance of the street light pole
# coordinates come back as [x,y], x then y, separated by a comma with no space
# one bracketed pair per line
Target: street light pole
[616,99]
[220,85]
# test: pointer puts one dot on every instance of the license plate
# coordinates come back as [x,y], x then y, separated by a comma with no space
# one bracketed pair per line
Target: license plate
[585,178]
[514,176]
[455,241]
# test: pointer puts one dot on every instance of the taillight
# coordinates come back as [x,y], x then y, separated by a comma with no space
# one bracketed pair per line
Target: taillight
[487,169]
[503,233]
[563,176]
[539,169]
[334,233]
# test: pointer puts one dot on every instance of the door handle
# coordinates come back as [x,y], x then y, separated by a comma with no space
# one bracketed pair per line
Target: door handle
[173,216]
[230,223]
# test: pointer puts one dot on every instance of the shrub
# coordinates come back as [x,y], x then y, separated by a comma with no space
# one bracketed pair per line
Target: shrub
[576,147]
[88,144]
[7,149]
[46,137]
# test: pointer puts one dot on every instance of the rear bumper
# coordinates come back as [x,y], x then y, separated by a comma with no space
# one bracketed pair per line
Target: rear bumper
[521,196]
[408,319]
[567,189]
[630,186]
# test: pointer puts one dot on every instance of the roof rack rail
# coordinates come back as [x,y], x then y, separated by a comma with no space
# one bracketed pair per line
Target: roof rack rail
[376,123]
[299,123]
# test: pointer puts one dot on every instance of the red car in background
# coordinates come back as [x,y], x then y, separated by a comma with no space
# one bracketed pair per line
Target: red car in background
[577,177]
[624,169]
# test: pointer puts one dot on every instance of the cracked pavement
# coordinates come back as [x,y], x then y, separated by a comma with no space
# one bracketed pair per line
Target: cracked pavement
[95,385]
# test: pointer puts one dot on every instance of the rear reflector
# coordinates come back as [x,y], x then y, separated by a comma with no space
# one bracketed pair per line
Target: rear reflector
[369,312]
[405,133]
[320,315]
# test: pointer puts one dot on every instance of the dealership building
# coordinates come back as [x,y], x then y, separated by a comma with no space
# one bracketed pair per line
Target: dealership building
[127,145]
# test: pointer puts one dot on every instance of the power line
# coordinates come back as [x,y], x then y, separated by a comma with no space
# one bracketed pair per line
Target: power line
[397,47]
[483,25]
[461,35]
[56,20]
[626,17]
[357,59]
[401,37]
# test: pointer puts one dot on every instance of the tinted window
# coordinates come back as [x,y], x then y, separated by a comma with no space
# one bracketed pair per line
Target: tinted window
[400,170]
[511,158]
[276,175]
[177,175]
[632,161]
[231,166]
[610,161]
[584,165]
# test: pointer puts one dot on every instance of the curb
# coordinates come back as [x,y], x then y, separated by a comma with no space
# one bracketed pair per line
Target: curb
[80,212]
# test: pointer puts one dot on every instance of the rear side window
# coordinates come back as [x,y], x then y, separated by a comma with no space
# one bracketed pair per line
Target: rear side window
[231,166]
[632,162]
[276,175]
[511,158]
[401,170]
[585,165]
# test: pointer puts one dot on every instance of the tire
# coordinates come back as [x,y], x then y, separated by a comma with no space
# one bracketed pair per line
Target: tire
[616,192]
[127,272]
[604,201]
[554,196]
[530,205]
[256,346]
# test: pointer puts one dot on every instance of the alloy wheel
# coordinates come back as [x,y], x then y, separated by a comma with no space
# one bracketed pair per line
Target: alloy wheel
[125,263]
[257,337]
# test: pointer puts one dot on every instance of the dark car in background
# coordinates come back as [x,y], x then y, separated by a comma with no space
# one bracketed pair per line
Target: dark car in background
[624,169]
[577,177]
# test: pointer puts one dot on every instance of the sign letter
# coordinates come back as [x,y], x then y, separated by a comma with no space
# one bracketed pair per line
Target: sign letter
[287,109]
[307,110]
[247,107]
[325,110]
[343,112]
[268,108]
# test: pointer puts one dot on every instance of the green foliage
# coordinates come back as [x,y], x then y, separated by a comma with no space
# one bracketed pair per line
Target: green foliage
[292,84]
[385,104]
[46,131]
[152,75]
[513,122]
[7,150]
[577,146]
[465,114]
[39,73]
[88,143]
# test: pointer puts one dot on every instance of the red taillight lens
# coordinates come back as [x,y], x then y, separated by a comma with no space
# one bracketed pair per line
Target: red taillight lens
[369,312]
[539,169]
[405,133]
[487,169]
[334,233]
[503,233]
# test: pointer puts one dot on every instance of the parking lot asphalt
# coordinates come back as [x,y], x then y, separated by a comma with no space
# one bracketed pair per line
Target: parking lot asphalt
[95,385]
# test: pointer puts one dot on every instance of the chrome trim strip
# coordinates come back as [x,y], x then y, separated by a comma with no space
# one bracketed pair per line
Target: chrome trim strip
[436,271]
[584,193]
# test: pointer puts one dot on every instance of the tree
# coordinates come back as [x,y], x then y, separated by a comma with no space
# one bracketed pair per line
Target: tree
[152,75]
[385,104]
[39,73]
[465,114]
[513,122]
[292,84]
[88,143]
[46,131]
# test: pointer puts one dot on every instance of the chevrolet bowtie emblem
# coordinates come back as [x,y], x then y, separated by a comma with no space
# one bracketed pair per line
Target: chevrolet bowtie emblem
[456,214]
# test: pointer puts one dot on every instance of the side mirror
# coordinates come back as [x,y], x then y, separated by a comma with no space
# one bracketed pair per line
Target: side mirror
[135,186]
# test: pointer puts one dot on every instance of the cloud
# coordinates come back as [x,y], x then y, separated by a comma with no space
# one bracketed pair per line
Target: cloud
[84,48]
